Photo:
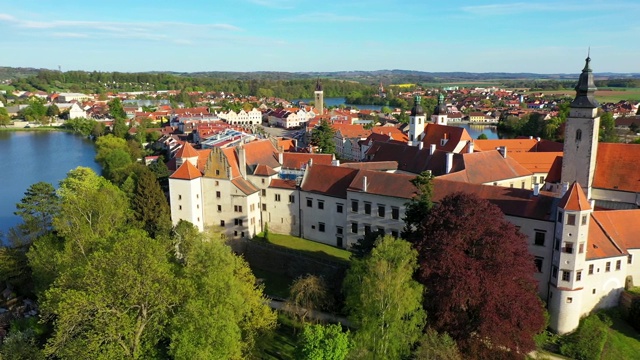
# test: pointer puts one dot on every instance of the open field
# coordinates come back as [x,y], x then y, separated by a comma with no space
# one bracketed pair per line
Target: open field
[602,95]
[309,247]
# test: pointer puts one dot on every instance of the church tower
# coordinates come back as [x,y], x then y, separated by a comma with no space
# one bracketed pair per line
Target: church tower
[581,134]
[417,121]
[440,112]
[319,98]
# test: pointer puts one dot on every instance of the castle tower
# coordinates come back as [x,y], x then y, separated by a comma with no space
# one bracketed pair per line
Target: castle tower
[440,112]
[185,189]
[581,134]
[186,154]
[569,268]
[417,122]
[319,98]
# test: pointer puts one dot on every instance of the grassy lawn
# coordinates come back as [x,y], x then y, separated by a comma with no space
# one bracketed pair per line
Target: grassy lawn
[309,247]
[281,344]
[623,341]
[274,284]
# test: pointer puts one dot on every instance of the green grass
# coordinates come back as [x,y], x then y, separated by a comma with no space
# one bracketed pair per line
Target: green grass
[40,128]
[274,284]
[281,344]
[309,247]
[623,341]
[7,88]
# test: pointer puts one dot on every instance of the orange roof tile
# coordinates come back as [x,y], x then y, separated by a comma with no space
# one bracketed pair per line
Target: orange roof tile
[232,158]
[297,160]
[434,133]
[186,171]
[622,226]
[264,170]
[283,184]
[615,167]
[328,180]
[385,184]
[599,244]
[484,167]
[536,162]
[351,131]
[515,145]
[245,186]
[203,155]
[186,151]
[574,199]
[261,152]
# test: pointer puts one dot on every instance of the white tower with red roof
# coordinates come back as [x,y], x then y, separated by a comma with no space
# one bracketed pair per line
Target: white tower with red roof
[185,189]
[417,122]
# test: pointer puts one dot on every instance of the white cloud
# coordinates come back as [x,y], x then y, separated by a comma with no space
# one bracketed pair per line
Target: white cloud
[532,7]
[325,17]
[69,35]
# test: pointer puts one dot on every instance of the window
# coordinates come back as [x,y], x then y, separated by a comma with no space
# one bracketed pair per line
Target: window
[522,185]
[395,213]
[581,248]
[197,196]
[566,275]
[629,259]
[578,135]
[339,241]
[569,300]
[217,183]
[179,207]
[339,230]
[217,173]
[218,194]
[511,185]
[538,261]
[320,204]
[591,269]
[264,192]
[222,223]
[277,197]
[367,208]
[554,272]
[354,227]
[292,199]
[571,219]
[381,210]
[578,275]
[237,208]
[263,181]
[179,197]
[354,205]
[618,264]
[559,216]
[321,227]
[540,235]
[556,245]
[309,202]
[541,179]
[367,229]
[584,219]
[339,208]
[568,247]
[264,207]
[607,267]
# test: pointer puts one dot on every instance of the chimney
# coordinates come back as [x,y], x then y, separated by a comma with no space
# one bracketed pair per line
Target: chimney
[311,162]
[335,162]
[420,145]
[536,189]
[530,137]
[242,159]
[565,188]
[364,184]
[470,147]
[280,158]
[432,149]
[448,163]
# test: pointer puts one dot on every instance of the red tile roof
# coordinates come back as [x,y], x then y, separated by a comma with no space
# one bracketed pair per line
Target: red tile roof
[616,167]
[373,165]
[186,151]
[282,184]
[599,244]
[244,185]
[261,152]
[349,131]
[621,226]
[186,171]
[434,133]
[574,199]
[298,160]
[484,167]
[328,180]
[536,162]
[264,170]
[385,184]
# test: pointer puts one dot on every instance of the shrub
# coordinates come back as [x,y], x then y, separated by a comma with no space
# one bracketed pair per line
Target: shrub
[633,317]
[587,342]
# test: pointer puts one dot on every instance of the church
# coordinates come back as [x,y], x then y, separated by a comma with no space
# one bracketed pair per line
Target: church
[582,224]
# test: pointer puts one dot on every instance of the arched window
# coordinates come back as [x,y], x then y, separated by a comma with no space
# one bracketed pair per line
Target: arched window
[578,135]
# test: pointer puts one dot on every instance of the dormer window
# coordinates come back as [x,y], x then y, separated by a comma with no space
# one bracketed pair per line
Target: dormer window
[578,135]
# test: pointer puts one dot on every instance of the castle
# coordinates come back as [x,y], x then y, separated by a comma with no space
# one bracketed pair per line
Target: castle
[582,223]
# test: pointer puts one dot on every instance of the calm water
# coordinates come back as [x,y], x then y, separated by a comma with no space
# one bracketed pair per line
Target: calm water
[30,157]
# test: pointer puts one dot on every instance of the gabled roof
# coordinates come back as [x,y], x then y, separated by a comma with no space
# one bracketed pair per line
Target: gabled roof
[298,160]
[328,180]
[391,131]
[536,162]
[244,185]
[203,155]
[373,165]
[484,167]
[621,226]
[264,170]
[575,199]
[385,184]
[616,167]
[513,145]
[186,171]
[555,172]
[232,158]
[283,184]
[434,133]
[186,151]
[599,245]
[261,152]
[351,131]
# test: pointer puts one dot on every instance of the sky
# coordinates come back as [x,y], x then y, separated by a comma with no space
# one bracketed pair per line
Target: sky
[543,36]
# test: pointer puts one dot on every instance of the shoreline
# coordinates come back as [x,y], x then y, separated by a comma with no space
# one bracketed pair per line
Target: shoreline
[39,128]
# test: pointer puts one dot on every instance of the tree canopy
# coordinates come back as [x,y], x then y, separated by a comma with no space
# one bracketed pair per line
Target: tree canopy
[479,276]
[322,137]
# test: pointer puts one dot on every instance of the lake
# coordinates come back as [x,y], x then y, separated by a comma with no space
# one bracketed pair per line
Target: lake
[33,156]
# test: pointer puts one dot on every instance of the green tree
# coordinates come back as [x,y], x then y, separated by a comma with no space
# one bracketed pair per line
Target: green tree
[306,294]
[5,119]
[223,309]
[37,209]
[434,346]
[383,300]
[323,342]
[607,128]
[120,128]
[322,137]
[114,305]
[116,110]
[20,345]
[482,136]
[150,206]
[53,110]
[419,207]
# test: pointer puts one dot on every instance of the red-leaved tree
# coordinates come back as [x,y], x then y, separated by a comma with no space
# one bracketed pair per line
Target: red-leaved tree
[479,280]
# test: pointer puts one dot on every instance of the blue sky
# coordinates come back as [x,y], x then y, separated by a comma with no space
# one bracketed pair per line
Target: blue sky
[322,35]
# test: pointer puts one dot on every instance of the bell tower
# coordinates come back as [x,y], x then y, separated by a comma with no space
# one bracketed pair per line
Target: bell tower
[417,121]
[319,98]
[440,112]
[581,134]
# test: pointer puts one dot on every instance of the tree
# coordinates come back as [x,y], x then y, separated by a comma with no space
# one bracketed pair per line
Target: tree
[116,110]
[607,128]
[5,119]
[363,246]
[53,110]
[150,206]
[480,278]
[419,207]
[37,209]
[383,300]
[323,342]
[434,346]
[223,309]
[114,305]
[308,293]
[322,137]
[482,136]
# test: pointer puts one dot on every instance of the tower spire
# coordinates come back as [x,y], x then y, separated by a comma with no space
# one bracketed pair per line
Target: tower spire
[586,88]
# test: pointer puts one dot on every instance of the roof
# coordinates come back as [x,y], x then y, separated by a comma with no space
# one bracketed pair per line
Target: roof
[203,155]
[373,165]
[599,245]
[264,170]
[385,184]
[244,185]
[575,199]
[434,133]
[555,172]
[391,131]
[328,180]
[261,152]
[232,158]
[186,171]
[351,130]
[615,167]
[283,184]
[484,167]
[298,160]
[513,145]
[621,226]
[186,151]
[536,162]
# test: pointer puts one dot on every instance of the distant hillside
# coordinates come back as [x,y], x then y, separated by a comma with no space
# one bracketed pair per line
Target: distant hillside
[7,73]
